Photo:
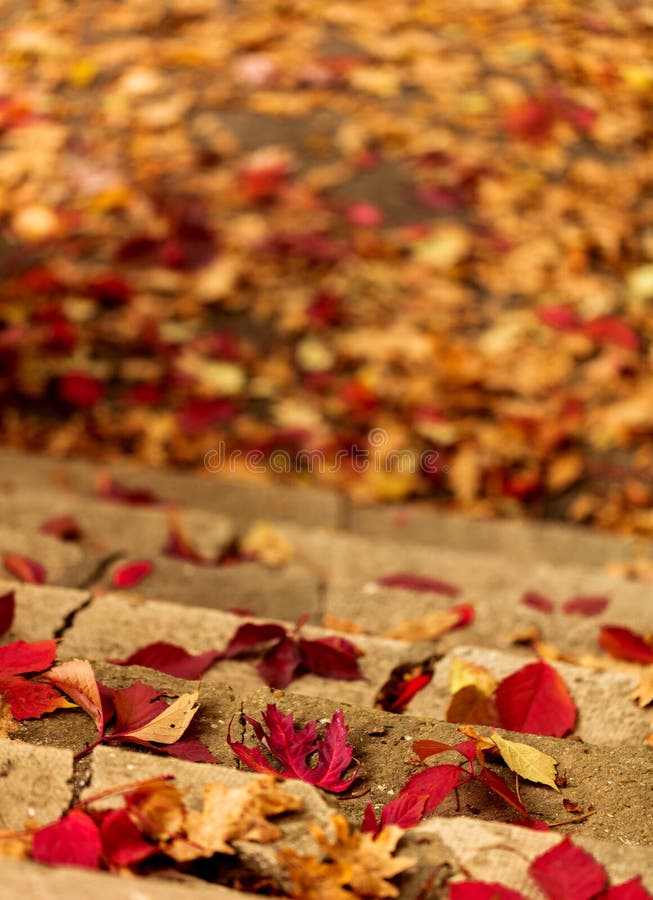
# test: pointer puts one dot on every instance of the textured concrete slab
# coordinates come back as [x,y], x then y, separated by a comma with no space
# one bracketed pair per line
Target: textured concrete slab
[492,584]
[107,527]
[287,593]
[30,881]
[606,714]
[520,539]
[241,501]
[616,781]
[35,784]
[136,622]
[41,611]
[64,564]
[465,848]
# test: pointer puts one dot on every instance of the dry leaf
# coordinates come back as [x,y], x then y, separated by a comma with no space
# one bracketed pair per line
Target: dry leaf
[527,761]
[643,693]
[169,725]
[463,673]
[265,543]
[354,860]
[428,628]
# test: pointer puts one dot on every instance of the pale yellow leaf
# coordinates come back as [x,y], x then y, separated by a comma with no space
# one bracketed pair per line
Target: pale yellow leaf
[77,679]
[527,761]
[463,673]
[169,725]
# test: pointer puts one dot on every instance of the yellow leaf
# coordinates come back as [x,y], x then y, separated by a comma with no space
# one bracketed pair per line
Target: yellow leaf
[169,725]
[77,679]
[463,673]
[527,761]
[428,628]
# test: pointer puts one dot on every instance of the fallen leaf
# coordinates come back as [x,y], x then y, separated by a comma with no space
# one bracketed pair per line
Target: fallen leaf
[567,872]
[427,628]
[142,715]
[77,679]
[538,602]
[471,706]
[586,606]
[420,583]
[622,643]
[65,528]
[158,808]
[528,762]
[643,693]
[354,864]
[132,573]
[122,842]
[24,569]
[7,611]
[535,700]
[463,673]
[72,841]
[171,659]
[267,544]
[293,749]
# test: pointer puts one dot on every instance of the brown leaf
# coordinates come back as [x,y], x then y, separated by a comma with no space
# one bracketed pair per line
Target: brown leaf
[428,628]
[354,860]
[643,693]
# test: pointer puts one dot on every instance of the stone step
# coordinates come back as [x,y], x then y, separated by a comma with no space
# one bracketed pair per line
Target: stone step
[606,713]
[245,501]
[35,784]
[63,563]
[351,567]
[41,611]
[615,781]
[239,500]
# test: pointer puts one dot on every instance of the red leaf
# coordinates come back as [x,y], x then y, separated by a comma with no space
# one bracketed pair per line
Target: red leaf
[250,636]
[405,810]
[135,706]
[7,611]
[562,317]
[481,890]
[77,679]
[568,873]
[72,841]
[426,748]
[407,690]
[331,657]
[132,573]
[586,606]
[65,528]
[366,215]
[408,582]
[538,602]
[80,389]
[466,614]
[622,643]
[293,748]
[178,546]
[21,657]
[532,120]
[122,842]
[189,748]
[535,700]
[436,783]
[24,569]
[278,666]
[629,890]
[110,489]
[171,659]
[608,329]
[498,786]
[369,824]
[31,700]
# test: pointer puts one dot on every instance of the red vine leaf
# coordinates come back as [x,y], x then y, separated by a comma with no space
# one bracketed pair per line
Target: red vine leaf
[586,606]
[420,583]
[622,643]
[24,569]
[171,659]
[535,700]
[567,872]
[72,841]
[131,574]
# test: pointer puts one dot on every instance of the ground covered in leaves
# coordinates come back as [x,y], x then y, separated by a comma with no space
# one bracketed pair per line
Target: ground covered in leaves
[283,224]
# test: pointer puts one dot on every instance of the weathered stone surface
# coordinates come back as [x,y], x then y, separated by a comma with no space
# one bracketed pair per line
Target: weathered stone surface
[35,784]
[492,584]
[64,564]
[107,527]
[606,714]
[616,781]
[41,612]
[516,539]
[31,881]
[136,622]
[239,500]
[287,593]
[465,848]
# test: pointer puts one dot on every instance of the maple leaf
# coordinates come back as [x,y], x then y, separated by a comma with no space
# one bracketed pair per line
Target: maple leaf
[7,611]
[622,643]
[171,659]
[28,699]
[132,573]
[535,700]
[354,864]
[293,749]
[24,569]
[234,813]
[567,872]
[72,841]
